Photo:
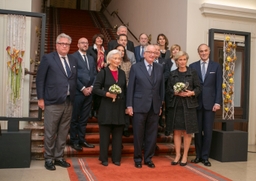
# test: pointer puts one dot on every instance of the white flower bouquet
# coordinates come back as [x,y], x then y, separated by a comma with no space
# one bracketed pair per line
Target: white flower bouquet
[180,86]
[115,89]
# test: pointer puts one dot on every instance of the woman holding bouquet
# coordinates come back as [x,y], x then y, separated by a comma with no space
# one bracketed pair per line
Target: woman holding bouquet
[110,84]
[182,89]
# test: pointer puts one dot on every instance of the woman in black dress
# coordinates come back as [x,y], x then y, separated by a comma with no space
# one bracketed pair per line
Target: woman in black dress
[182,106]
[111,117]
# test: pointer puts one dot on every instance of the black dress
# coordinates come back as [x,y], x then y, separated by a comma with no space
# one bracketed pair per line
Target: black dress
[179,119]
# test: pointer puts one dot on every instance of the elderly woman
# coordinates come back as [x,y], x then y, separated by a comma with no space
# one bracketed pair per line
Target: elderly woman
[111,116]
[182,106]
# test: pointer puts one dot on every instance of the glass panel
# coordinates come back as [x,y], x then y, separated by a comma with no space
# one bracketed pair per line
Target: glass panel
[238,79]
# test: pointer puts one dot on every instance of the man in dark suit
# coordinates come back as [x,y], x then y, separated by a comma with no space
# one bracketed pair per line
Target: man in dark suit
[139,50]
[122,39]
[145,96]
[56,87]
[209,100]
[86,73]
[113,43]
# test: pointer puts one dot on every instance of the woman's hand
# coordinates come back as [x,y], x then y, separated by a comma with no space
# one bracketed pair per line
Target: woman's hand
[186,93]
[111,95]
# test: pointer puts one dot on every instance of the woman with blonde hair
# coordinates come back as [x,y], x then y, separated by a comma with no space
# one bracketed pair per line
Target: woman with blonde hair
[182,105]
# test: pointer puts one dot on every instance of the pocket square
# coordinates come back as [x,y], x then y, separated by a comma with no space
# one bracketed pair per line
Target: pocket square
[212,72]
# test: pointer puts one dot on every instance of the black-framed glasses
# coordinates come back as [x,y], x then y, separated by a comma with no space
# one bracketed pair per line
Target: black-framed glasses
[64,44]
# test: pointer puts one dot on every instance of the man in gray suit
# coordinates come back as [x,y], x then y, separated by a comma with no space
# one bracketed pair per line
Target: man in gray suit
[56,88]
[145,95]
[123,39]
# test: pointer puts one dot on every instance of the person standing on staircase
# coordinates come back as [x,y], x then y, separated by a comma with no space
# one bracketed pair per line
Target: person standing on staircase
[86,73]
[113,43]
[56,88]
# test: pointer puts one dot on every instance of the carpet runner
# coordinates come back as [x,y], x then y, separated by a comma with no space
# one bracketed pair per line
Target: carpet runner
[90,169]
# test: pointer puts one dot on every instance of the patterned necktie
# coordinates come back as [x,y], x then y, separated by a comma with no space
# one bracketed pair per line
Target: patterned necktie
[203,70]
[86,62]
[67,67]
[149,69]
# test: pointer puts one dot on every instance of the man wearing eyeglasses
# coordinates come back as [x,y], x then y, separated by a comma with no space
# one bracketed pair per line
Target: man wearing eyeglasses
[145,95]
[56,88]
[86,73]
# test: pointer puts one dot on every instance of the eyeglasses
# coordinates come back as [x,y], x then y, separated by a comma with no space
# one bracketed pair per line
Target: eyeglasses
[150,52]
[64,44]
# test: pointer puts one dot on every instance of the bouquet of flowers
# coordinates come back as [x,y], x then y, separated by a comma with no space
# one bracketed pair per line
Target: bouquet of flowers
[115,89]
[180,86]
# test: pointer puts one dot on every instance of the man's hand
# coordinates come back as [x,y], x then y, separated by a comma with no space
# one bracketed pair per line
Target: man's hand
[130,111]
[41,103]
[87,91]
[216,107]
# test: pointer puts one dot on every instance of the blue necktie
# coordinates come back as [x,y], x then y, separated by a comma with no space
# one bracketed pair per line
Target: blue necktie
[142,52]
[67,67]
[149,69]
[86,62]
[203,70]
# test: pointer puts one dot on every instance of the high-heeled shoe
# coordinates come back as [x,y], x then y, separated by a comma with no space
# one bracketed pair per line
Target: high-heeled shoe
[176,163]
[183,164]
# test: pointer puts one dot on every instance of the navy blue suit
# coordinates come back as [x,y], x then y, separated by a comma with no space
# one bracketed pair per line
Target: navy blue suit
[137,54]
[52,82]
[211,94]
[82,103]
[145,95]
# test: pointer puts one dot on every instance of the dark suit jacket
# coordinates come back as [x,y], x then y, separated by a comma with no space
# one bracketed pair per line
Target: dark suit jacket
[137,54]
[110,112]
[52,82]
[113,43]
[167,69]
[85,77]
[211,86]
[143,90]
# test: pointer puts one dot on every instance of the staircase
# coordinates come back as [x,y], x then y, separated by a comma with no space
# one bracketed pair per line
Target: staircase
[77,24]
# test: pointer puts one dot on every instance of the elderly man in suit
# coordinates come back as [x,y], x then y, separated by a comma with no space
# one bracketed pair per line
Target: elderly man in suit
[113,43]
[56,88]
[122,39]
[210,100]
[86,73]
[145,96]
[139,50]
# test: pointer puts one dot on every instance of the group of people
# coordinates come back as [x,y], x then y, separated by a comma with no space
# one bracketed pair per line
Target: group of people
[127,83]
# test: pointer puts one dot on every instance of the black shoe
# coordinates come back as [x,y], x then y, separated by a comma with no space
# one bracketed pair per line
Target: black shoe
[126,133]
[85,144]
[95,114]
[138,165]
[117,163]
[196,160]
[206,163]
[167,133]
[104,163]
[49,165]
[183,164]
[77,147]
[176,163]
[62,163]
[150,164]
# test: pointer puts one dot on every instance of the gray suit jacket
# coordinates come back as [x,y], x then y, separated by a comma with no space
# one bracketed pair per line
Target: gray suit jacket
[131,56]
